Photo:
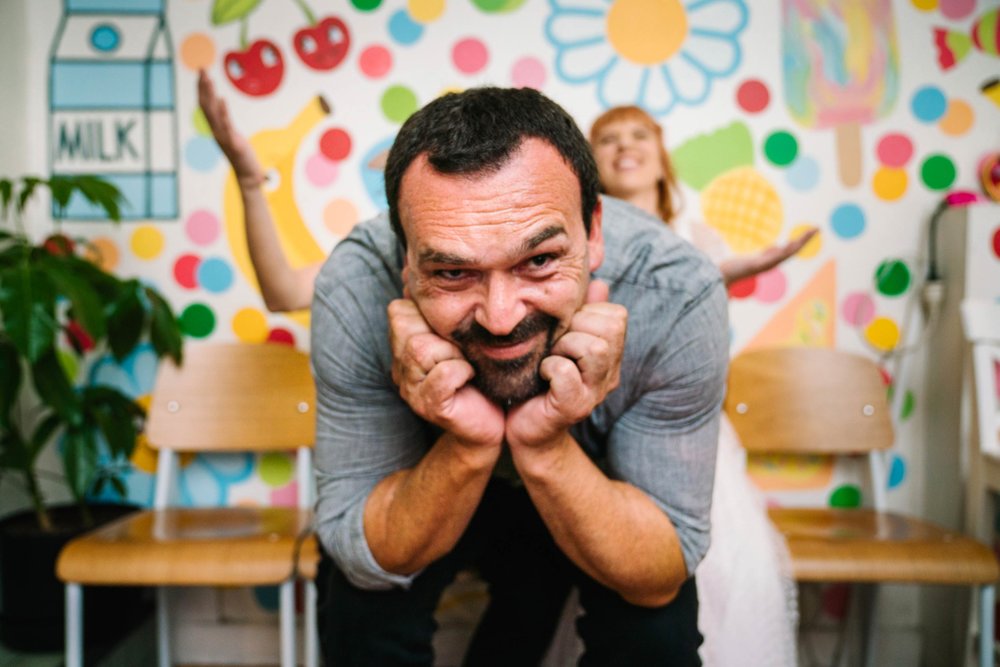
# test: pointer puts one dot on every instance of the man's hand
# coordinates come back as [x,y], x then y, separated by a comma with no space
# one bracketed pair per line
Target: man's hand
[433,376]
[583,369]
[744,266]
[234,146]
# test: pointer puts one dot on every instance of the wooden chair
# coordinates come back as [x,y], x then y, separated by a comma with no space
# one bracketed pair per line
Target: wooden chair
[981,323]
[818,401]
[224,398]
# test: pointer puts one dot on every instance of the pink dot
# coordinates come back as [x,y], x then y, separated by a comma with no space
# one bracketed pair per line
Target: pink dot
[335,144]
[770,286]
[996,243]
[957,9]
[894,150]
[286,496]
[375,61]
[469,55]
[857,309]
[741,289]
[528,73]
[320,171]
[202,227]
[186,271]
[753,96]
[281,336]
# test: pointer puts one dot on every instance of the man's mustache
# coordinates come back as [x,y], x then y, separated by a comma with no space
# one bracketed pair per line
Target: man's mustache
[529,327]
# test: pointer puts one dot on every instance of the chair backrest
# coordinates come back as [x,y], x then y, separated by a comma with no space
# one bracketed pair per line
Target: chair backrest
[981,321]
[234,397]
[808,401]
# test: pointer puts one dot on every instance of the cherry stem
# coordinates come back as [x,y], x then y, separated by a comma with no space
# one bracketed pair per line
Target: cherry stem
[308,12]
[244,24]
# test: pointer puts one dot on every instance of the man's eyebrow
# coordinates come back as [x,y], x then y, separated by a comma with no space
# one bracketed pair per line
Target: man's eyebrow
[541,237]
[432,256]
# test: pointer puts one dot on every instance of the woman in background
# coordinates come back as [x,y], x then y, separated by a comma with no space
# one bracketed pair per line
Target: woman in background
[747,599]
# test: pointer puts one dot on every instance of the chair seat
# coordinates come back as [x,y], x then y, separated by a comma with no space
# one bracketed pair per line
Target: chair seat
[862,545]
[308,561]
[244,546]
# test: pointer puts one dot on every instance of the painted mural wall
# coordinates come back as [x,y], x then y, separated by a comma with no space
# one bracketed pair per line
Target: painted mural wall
[855,117]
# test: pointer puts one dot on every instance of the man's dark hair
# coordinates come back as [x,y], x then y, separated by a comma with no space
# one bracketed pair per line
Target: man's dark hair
[475,132]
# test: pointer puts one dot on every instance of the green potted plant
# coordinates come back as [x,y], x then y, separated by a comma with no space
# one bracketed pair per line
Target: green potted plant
[55,302]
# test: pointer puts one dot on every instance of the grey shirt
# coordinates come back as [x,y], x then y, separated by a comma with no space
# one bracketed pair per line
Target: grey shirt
[657,431]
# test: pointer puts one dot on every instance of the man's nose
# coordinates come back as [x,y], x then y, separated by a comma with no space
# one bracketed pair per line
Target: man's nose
[501,309]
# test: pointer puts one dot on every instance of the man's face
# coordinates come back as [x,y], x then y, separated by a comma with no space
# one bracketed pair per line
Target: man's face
[498,264]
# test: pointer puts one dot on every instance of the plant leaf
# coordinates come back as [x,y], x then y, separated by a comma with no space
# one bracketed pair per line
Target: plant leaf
[227,11]
[164,330]
[126,320]
[28,186]
[118,485]
[28,304]
[55,389]
[79,455]
[6,195]
[43,433]
[13,450]
[10,380]
[101,193]
[116,415]
[88,309]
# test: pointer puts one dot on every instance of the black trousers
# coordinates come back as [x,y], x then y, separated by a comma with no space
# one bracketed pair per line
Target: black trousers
[529,580]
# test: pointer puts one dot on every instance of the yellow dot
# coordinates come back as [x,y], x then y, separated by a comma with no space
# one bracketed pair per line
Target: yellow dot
[925,5]
[647,31]
[882,333]
[197,51]
[957,119]
[250,325]
[103,252]
[889,183]
[810,249]
[147,242]
[340,216]
[425,11]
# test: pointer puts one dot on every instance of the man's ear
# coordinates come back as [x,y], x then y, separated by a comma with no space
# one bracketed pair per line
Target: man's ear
[405,275]
[595,240]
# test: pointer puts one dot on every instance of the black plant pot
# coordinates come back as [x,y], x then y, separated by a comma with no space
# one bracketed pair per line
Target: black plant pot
[32,617]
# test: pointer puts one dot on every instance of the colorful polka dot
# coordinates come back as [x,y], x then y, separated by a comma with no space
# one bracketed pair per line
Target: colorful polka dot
[846,496]
[528,72]
[215,275]
[197,51]
[753,96]
[781,148]
[889,184]
[366,5]
[741,289]
[103,252]
[771,286]
[335,144]
[958,119]
[892,277]
[201,153]
[812,246]
[186,271]
[909,403]
[469,55]
[894,150]
[320,171]
[147,242]
[404,29]
[882,333]
[938,172]
[267,596]
[925,5]
[848,221]
[202,227]
[803,174]
[425,11]
[857,309]
[996,243]
[340,216]
[957,9]
[398,103]
[276,469]
[281,336]
[497,6]
[197,320]
[200,123]
[375,61]
[897,471]
[250,325]
[929,104]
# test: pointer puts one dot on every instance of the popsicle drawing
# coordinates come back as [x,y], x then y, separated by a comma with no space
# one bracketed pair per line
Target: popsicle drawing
[840,70]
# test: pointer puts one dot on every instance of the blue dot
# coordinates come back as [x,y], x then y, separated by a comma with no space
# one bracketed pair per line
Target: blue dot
[267,597]
[105,38]
[215,275]
[202,153]
[803,174]
[929,104]
[372,175]
[848,221]
[897,472]
[404,29]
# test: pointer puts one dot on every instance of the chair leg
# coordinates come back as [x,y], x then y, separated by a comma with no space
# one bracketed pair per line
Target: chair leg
[312,640]
[987,598]
[162,627]
[288,623]
[869,609]
[74,625]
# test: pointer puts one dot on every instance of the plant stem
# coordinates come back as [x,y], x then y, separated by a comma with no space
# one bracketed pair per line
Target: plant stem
[308,12]
[35,493]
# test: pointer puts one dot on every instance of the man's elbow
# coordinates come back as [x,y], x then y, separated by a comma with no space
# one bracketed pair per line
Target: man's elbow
[655,595]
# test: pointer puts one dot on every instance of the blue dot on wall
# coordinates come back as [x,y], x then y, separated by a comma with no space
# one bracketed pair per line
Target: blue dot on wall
[201,153]
[267,597]
[803,175]
[372,165]
[105,38]
[929,104]
[215,275]
[848,221]
[404,29]
[897,471]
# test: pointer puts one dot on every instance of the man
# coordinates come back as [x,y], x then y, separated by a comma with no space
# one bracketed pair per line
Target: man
[480,404]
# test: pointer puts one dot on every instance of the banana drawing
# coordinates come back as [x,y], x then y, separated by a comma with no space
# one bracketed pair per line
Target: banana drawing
[276,150]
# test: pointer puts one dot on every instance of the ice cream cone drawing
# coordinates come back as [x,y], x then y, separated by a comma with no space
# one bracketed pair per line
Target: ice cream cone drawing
[840,70]
[953,46]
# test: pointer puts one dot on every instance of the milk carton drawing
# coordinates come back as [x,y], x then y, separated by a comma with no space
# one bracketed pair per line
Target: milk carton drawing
[113,105]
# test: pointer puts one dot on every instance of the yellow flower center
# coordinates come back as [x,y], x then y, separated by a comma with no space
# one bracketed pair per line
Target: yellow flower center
[647,31]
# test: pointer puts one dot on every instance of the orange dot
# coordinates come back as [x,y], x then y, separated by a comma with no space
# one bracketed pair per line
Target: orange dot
[197,51]
[103,252]
[340,216]
[957,119]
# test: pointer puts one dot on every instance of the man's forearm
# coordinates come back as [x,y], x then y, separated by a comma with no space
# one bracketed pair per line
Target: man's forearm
[416,515]
[610,529]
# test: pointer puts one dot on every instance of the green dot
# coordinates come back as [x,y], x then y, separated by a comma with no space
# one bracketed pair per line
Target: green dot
[366,5]
[200,123]
[846,495]
[398,103]
[909,401]
[69,363]
[497,6]
[197,320]
[781,148]
[276,469]
[938,172]
[892,277]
